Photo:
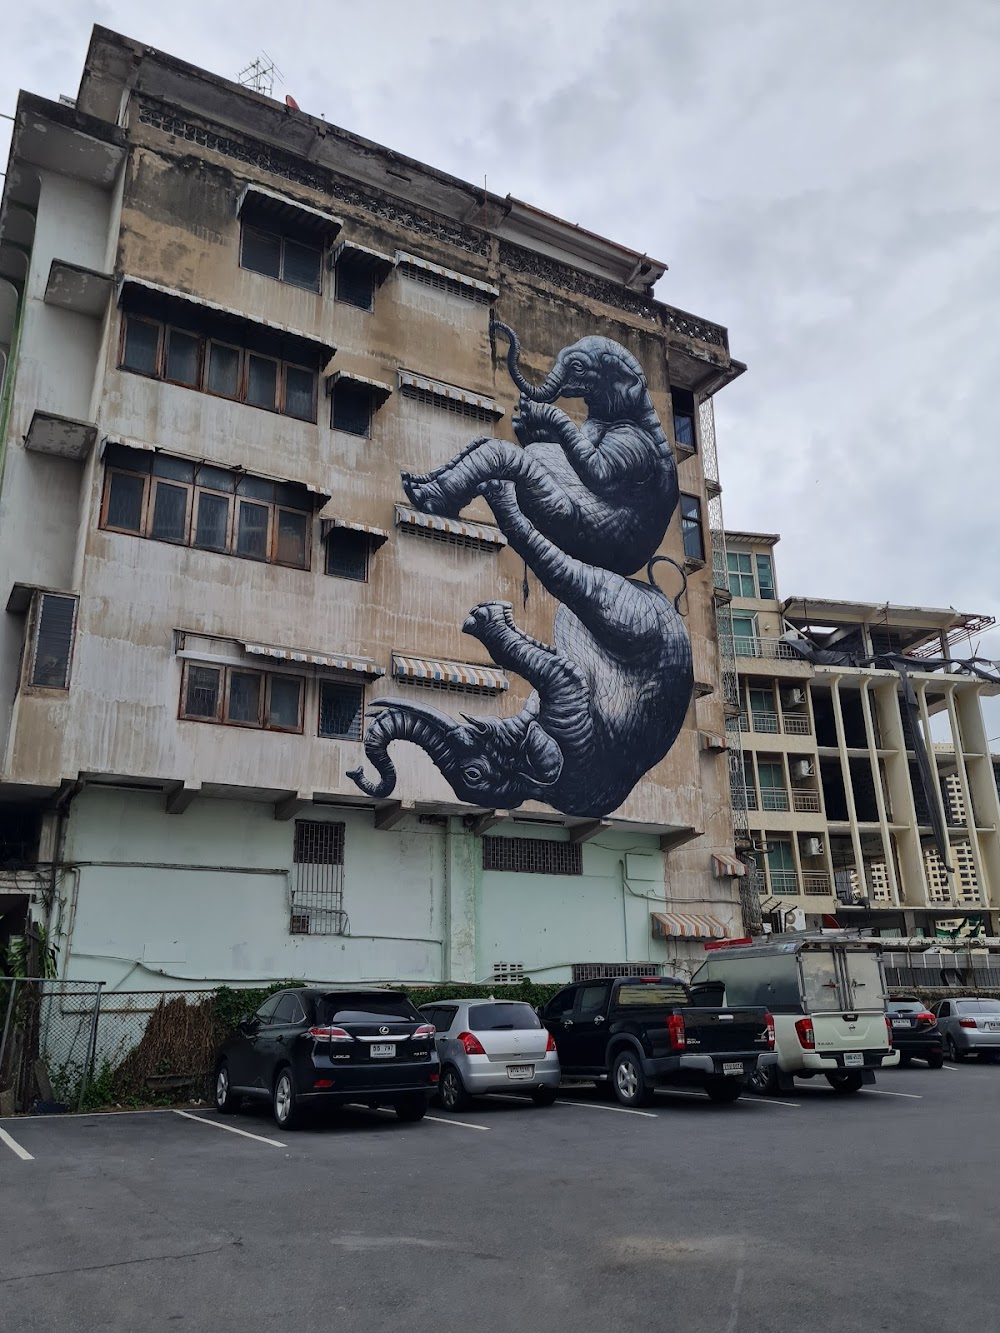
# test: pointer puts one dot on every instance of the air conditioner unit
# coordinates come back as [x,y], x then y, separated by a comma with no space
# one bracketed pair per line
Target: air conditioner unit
[812,847]
[803,768]
[795,697]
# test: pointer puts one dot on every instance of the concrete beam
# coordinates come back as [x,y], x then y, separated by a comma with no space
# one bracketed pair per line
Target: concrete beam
[292,804]
[180,795]
[387,816]
[481,824]
[677,837]
[584,832]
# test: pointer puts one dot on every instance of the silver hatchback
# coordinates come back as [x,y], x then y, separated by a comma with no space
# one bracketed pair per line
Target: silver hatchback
[492,1045]
[970,1025]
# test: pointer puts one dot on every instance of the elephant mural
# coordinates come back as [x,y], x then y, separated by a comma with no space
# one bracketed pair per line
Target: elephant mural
[605,491]
[583,510]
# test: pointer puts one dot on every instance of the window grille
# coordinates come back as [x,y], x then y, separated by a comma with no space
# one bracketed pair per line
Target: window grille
[317,881]
[55,620]
[447,285]
[443,404]
[347,554]
[603,971]
[341,710]
[508,971]
[533,856]
[352,410]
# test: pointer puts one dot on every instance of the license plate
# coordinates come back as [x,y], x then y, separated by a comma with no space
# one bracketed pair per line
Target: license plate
[383,1051]
[520,1071]
[900,1022]
[853,1058]
[732,1067]
[993,1027]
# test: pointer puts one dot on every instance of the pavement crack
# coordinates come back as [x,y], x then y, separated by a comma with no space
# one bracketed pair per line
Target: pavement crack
[118,1263]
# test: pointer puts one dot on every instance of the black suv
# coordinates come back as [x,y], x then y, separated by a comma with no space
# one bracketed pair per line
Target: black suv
[329,1044]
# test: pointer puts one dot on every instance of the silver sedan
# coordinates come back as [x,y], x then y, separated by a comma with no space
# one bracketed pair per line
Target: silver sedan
[492,1045]
[970,1025]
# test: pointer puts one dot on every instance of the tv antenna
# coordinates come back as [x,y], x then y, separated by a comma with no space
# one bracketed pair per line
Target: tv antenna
[260,75]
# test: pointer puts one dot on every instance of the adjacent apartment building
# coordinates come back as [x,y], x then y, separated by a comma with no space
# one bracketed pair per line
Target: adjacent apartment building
[869,800]
[359,607]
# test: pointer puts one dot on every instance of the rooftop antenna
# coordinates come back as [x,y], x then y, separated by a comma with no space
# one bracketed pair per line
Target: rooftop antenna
[260,75]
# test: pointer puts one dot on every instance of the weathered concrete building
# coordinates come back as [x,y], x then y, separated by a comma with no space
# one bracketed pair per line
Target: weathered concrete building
[229,334]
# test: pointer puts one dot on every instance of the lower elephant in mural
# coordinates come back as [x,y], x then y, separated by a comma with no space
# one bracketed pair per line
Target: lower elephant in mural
[603,492]
[609,697]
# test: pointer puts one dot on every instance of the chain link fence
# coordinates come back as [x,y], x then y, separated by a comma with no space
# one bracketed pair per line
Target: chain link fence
[46,1042]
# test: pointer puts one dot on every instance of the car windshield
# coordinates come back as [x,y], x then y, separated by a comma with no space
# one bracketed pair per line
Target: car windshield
[979,1007]
[361,1008]
[666,995]
[495,1017]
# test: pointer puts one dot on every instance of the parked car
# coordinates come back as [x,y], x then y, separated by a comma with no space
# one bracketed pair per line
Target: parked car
[634,1034]
[490,1045]
[827,996]
[915,1032]
[970,1025]
[329,1045]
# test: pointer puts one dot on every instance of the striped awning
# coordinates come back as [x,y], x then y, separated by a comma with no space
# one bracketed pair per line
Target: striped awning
[433,672]
[364,666]
[688,926]
[454,527]
[727,867]
[409,380]
[381,265]
[710,741]
[378,390]
[460,279]
[328,525]
[264,203]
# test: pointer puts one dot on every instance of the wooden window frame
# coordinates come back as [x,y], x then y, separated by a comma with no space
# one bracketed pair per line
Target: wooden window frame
[229,497]
[223,694]
[145,478]
[219,693]
[166,331]
[157,374]
[240,395]
[279,380]
[268,506]
[280,509]
[188,490]
[261,692]
[284,368]
[298,729]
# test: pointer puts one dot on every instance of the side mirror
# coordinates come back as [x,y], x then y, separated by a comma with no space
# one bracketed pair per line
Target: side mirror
[246,1021]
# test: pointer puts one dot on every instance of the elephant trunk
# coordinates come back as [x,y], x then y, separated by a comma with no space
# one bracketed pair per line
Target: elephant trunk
[546,392]
[399,721]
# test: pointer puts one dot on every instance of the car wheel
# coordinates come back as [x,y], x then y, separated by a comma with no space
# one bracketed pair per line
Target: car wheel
[723,1090]
[412,1107]
[845,1081]
[227,1102]
[629,1081]
[935,1061]
[283,1100]
[452,1090]
[763,1081]
[544,1096]
[952,1051]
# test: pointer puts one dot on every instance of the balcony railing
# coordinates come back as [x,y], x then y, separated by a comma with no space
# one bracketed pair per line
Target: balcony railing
[763,722]
[806,802]
[796,724]
[784,881]
[773,798]
[753,646]
[816,883]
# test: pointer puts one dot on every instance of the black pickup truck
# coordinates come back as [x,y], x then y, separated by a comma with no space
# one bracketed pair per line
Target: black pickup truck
[633,1034]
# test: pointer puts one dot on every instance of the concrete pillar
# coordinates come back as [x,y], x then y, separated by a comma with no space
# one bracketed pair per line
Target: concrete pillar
[845,770]
[876,766]
[913,889]
[460,873]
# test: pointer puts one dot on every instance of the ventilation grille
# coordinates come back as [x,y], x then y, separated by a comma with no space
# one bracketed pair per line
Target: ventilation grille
[443,404]
[446,285]
[604,971]
[533,856]
[508,971]
[317,882]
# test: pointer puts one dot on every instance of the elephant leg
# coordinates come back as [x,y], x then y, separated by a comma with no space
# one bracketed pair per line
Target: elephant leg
[449,489]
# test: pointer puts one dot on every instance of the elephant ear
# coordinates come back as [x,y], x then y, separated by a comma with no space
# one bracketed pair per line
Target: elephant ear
[541,757]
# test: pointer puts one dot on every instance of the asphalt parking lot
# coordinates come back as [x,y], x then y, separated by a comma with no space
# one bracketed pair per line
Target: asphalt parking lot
[865,1213]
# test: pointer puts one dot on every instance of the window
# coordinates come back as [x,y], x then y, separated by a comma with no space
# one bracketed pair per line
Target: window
[694,541]
[55,621]
[341,710]
[781,866]
[241,698]
[501,1015]
[745,635]
[740,567]
[347,554]
[592,1000]
[288,1011]
[317,882]
[533,856]
[282,258]
[220,366]
[684,427]
[765,577]
[771,776]
[196,504]
[352,410]
[264,1013]
[763,711]
[355,283]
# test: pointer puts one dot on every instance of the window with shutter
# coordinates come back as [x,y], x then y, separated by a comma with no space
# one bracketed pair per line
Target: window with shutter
[55,621]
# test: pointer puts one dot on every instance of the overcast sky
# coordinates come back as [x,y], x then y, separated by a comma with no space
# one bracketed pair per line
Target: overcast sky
[821,178]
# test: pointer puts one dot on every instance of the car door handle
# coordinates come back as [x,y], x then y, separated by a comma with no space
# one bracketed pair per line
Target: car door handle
[599,1018]
[567,1022]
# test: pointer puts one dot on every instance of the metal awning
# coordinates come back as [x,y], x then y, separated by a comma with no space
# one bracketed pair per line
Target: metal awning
[408,379]
[269,206]
[328,525]
[727,867]
[364,666]
[145,447]
[709,740]
[475,285]
[688,926]
[431,671]
[453,527]
[379,263]
[378,390]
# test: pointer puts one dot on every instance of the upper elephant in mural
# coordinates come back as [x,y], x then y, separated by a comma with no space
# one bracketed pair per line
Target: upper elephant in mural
[603,492]
[608,699]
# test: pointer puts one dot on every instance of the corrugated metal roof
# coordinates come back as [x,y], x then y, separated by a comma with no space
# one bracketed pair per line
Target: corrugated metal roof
[432,670]
[456,527]
[408,379]
[283,209]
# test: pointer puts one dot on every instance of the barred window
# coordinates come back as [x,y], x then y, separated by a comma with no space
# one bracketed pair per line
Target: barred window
[533,856]
[351,410]
[317,881]
[602,971]
[347,554]
[341,710]
[319,843]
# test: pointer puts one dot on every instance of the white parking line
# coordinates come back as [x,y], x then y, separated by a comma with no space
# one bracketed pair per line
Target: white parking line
[599,1106]
[217,1124]
[461,1124]
[881,1092]
[770,1101]
[15,1147]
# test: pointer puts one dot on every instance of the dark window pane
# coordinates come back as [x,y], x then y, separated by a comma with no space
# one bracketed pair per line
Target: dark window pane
[125,502]
[765,577]
[212,526]
[352,410]
[503,1015]
[262,382]
[694,546]
[261,252]
[224,370]
[177,469]
[286,692]
[201,695]
[347,554]
[184,358]
[251,532]
[142,340]
[216,478]
[244,697]
[684,429]
[169,513]
[133,460]
[355,284]
[53,641]
[302,265]
[300,393]
[292,534]
[293,497]
[255,488]
[340,710]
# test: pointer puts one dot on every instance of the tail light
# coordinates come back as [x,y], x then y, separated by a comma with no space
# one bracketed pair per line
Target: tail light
[550,1045]
[329,1034]
[888,1029]
[470,1044]
[925,1017]
[323,1083]
[769,1031]
[805,1033]
[966,1022]
[424,1031]
[675,1031]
